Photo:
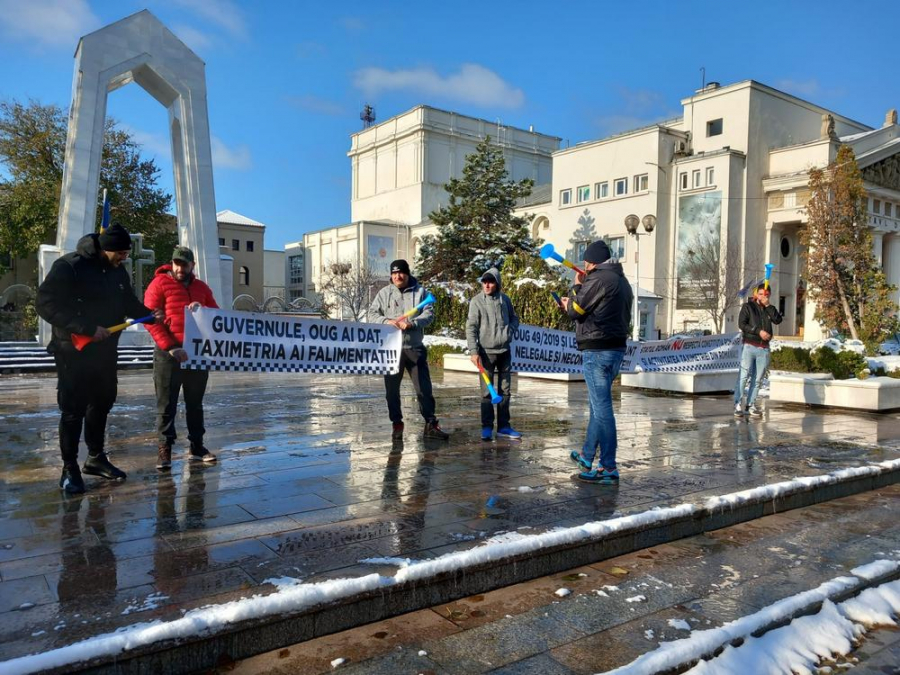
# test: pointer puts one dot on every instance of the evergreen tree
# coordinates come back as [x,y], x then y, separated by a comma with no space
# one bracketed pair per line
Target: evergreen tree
[845,281]
[477,229]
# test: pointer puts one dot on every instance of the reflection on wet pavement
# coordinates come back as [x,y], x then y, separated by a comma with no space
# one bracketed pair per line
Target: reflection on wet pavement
[309,485]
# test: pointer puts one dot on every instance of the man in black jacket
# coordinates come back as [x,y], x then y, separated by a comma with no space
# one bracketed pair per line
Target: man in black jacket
[600,305]
[755,321]
[83,293]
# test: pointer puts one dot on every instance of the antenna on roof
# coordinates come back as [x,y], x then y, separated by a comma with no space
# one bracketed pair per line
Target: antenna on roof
[703,81]
[367,116]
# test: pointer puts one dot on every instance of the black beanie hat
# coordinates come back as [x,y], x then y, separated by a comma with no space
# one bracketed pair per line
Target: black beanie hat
[400,266]
[115,238]
[597,253]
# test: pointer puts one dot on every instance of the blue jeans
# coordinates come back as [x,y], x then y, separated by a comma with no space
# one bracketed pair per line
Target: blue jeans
[754,361]
[600,369]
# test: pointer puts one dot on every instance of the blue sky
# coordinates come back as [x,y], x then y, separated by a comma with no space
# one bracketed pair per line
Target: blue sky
[287,80]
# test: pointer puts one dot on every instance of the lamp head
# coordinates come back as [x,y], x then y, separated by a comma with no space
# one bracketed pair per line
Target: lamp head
[631,223]
[649,223]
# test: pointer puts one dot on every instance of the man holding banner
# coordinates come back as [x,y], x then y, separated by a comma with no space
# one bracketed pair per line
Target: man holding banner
[391,306]
[173,289]
[600,305]
[490,327]
[84,293]
[755,321]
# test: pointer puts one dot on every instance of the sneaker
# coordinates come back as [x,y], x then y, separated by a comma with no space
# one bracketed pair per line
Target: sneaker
[397,431]
[601,476]
[201,454]
[433,430]
[487,433]
[164,457]
[508,432]
[579,459]
[71,481]
[99,465]
[756,411]
[739,410]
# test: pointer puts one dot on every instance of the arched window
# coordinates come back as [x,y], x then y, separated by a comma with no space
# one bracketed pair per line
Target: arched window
[244,279]
[540,226]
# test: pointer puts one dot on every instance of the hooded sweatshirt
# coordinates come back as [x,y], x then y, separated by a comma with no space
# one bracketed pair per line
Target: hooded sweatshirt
[83,291]
[601,308]
[392,303]
[492,320]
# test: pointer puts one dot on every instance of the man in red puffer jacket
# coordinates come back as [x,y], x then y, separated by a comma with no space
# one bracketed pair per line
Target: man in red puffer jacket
[172,290]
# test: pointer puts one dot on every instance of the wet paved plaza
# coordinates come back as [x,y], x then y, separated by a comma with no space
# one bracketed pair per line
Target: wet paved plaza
[309,485]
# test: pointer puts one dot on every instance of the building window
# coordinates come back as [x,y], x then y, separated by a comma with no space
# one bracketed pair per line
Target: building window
[888,209]
[250,246]
[244,278]
[235,244]
[295,269]
[616,247]
[621,186]
[710,176]
[565,197]
[641,183]
[790,200]
[684,181]
[876,206]
[584,193]
[601,190]
[696,175]
[714,127]
[785,248]
[221,241]
[580,248]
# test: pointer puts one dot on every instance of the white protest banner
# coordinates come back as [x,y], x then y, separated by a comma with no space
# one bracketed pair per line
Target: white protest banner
[218,339]
[544,350]
[684,355]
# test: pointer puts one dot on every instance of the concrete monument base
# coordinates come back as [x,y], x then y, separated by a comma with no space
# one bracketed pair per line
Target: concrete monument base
[709,382]
[462,363]
[877,394]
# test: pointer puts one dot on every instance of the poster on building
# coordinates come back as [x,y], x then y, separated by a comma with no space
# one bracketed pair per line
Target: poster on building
[544,350]
[379,254]
[698,255]
[217,339]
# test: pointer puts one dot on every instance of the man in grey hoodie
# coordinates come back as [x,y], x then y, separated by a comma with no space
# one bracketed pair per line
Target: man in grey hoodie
[389,306]
[490,328]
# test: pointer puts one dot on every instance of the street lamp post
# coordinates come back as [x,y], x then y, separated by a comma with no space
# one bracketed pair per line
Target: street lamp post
[631,224]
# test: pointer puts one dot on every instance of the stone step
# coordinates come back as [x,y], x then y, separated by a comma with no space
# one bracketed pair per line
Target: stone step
[29,357]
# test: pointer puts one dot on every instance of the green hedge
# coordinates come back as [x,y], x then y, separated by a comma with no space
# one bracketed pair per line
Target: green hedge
[436,354]
[842,365]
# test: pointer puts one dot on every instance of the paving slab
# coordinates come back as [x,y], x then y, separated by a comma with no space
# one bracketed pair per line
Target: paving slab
[309,483]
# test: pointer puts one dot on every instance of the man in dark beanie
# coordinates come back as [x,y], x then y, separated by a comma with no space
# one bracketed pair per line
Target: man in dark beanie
[83,293]
[389,306]
[600,304]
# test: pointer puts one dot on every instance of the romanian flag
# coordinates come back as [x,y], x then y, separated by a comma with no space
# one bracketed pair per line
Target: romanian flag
[104,223]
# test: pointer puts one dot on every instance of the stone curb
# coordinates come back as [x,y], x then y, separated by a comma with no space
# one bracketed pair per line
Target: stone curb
[255,636]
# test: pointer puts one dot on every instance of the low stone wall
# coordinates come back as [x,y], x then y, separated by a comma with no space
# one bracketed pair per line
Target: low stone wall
[708,382]
[876,394]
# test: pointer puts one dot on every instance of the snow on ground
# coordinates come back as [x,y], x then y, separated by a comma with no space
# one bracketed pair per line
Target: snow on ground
[295,597]
[431,340]
[796,647]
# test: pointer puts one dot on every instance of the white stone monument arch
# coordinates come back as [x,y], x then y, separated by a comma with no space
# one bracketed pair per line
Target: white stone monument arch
[142,50]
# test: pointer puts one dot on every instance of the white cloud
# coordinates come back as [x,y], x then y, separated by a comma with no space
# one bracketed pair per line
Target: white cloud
[806,88]
[315,104]
[353,24]
[472,84]
[223,157]
[223,13]
[52,23]
[152,143]
[197,40]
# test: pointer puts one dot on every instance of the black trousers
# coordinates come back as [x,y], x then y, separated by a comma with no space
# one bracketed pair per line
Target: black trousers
[169,379]
[499,365]
[415,361]
[86,388]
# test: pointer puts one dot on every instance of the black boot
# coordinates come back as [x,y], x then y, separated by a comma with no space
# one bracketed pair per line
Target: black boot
[71,481]
[433,430]
[99,465]
[201,454]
